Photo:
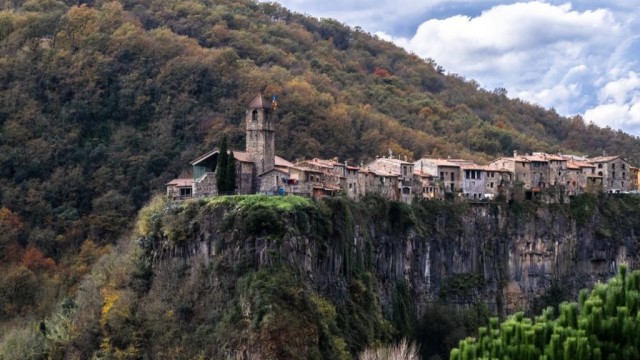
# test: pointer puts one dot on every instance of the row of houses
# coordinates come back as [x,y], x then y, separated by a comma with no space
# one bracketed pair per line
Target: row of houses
[258,170]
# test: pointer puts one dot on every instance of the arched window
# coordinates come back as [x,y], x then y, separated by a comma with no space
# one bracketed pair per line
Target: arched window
[254,115]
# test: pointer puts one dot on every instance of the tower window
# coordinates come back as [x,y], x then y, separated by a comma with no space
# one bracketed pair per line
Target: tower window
[254,115]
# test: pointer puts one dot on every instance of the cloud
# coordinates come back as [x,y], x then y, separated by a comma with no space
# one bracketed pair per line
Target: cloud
[578,61]
[619,104]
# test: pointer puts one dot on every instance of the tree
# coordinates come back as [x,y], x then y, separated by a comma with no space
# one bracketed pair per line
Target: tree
[604,324]
[231,173]
[221,168]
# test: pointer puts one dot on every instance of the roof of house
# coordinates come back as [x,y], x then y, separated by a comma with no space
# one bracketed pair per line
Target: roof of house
[600,159]
[328,164]
[441,162]
[391,160]
[516,159]
[534,158]
[241,156]
[574,164]
[184,182]
[259,102]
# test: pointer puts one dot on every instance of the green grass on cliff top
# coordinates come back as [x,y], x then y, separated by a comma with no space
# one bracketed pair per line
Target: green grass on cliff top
[281,203]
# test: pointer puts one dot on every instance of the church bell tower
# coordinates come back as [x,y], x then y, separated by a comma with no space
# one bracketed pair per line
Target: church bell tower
[260,144]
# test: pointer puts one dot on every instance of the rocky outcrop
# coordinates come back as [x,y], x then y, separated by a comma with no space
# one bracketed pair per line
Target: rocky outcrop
[505,255]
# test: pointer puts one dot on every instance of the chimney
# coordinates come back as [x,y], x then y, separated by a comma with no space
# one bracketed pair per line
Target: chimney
[515,153]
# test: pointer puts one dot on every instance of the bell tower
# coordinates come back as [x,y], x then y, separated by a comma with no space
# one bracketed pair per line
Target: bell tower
[260,145]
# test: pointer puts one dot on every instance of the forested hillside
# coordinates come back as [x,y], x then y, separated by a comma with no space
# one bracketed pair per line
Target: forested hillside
[103,102]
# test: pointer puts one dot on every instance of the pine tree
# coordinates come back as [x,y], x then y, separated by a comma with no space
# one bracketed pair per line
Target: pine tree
[221,168]
[231,173]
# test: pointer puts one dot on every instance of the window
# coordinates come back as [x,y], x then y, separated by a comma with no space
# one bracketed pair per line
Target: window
[185,192]
[613,166]
[254,115]
[622,166]
[599,166]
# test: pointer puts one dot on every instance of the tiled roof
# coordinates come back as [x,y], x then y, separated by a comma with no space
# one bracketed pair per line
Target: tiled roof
[282,162]
[601,159]
[440,162]
[241,156]
[536,158]
[181,182]
[393,161]
[259,102]
[516,159]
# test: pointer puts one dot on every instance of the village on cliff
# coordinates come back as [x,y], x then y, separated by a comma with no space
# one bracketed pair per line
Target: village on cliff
[534,175]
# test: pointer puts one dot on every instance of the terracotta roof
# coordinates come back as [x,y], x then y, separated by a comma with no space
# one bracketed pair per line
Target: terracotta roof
[600,159]
[579,164]
[241,156]
[536,158]
[572,166]
[181,182]
[516,159]
[259,102]
[282,162]
[554,157]
[316,162]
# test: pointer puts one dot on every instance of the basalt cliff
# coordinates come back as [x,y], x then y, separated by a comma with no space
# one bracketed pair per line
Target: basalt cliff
[288,277]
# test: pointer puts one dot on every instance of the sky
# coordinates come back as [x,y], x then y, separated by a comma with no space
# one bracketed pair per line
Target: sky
[580,57]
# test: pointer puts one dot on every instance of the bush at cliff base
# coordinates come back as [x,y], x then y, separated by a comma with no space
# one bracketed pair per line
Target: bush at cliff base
[603,325]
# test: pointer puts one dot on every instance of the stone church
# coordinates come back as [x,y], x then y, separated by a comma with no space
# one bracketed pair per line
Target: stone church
[258,169]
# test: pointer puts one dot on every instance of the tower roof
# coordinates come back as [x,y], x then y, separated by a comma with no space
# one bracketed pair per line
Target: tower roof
[259,102]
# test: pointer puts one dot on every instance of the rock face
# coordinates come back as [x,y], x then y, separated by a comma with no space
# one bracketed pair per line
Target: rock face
[505,255]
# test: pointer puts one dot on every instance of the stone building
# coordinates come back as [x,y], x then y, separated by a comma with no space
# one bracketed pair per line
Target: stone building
[615,172]
[258,169]
[402,170]
[473,181]
[446,172]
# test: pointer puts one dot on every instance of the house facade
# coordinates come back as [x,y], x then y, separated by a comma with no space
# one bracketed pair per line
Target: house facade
[615,172]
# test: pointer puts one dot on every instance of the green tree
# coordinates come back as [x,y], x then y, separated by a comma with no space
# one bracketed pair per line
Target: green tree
[603,324]
[231,173]
[222,166]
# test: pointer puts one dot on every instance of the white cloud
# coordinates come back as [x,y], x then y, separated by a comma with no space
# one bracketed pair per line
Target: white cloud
[619,104]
